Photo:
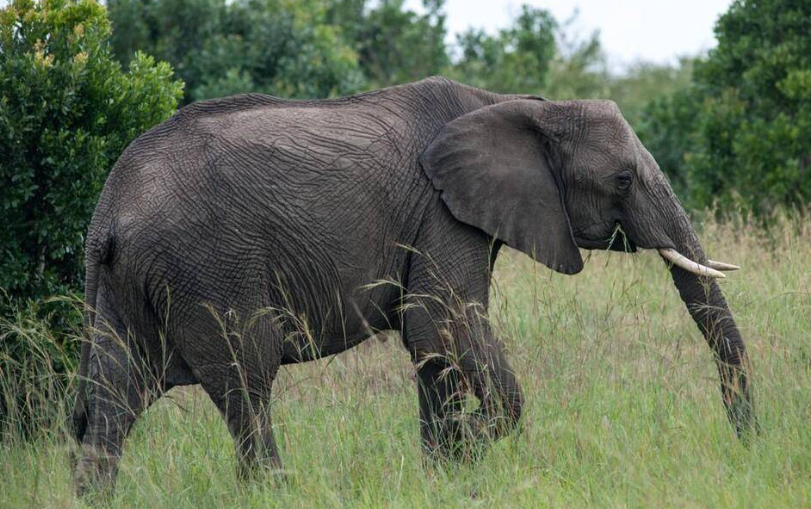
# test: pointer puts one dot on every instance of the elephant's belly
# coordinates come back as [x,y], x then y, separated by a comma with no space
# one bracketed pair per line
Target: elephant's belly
[359,320]
[301,349]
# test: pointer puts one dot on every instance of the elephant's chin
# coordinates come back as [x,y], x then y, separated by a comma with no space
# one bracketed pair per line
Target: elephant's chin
[618,243]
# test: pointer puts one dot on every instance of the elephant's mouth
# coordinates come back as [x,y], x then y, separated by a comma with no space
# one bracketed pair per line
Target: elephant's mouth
[595,237]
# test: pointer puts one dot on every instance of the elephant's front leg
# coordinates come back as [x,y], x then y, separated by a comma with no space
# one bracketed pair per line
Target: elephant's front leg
[470,360]
[449,337]
[441,397]
[493,382]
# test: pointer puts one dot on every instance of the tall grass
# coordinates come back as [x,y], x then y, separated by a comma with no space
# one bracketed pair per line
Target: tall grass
[622,407]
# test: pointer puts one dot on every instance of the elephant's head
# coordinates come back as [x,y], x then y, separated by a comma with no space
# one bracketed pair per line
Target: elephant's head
[550,177]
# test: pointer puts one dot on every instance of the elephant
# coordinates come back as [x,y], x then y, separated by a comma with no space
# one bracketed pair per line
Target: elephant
[250,232]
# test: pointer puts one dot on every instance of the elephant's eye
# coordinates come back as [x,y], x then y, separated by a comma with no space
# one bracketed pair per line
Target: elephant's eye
[624,180]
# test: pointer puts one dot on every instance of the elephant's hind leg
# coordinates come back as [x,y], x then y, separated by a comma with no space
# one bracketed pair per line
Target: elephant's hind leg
[237,370]
[120,386]
[245,406]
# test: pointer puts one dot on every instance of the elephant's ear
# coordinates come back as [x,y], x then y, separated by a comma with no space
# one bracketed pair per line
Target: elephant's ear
[492,168]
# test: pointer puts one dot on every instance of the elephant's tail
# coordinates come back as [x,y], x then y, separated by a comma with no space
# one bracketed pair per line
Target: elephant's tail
[95,258]
[80,415]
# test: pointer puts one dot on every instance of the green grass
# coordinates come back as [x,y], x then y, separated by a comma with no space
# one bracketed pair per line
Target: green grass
[623,407]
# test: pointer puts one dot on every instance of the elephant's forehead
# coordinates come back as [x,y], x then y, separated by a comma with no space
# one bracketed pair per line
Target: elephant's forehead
[605,144]
[601,130]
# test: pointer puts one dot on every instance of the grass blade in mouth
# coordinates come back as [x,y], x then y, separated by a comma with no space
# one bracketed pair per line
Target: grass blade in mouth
[626,246]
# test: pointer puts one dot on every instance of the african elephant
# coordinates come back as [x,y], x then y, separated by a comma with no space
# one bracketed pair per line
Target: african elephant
[234,210]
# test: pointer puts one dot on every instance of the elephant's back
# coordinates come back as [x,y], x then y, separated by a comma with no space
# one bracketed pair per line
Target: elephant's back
[259,146]
[318,198]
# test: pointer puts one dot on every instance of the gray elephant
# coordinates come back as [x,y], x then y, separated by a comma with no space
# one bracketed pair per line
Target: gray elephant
[250,232]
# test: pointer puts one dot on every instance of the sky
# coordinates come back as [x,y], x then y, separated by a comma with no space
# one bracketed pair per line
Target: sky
[630,30]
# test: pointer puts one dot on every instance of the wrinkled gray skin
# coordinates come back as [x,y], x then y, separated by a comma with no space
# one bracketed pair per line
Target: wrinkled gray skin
[253,202]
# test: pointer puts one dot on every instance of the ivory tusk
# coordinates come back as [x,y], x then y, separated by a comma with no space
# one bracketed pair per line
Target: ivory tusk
[721,265]
[679,260]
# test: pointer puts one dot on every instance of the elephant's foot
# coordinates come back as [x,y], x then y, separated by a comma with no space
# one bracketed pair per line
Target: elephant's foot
[461,437]
[95,473]
[263,470]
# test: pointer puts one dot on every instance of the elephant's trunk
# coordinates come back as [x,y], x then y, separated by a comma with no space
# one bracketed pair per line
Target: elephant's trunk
[709,309]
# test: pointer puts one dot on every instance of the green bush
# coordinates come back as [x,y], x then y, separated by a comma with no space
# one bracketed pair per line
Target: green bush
[67,110]
[280,47]
[741,134]
[516,60]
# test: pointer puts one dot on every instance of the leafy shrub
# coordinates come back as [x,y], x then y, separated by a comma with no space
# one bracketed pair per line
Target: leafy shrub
[516,60]
[741,134]
[67,110]
[219,48]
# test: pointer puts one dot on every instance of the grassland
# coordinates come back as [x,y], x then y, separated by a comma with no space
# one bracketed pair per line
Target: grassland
[623,406]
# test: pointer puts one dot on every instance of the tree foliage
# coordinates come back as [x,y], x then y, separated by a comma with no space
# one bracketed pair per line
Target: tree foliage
[396,45]
[740,135]
[309,48]
[281,47]
[515,60]
[318,48]
[645,82]
[67,110]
